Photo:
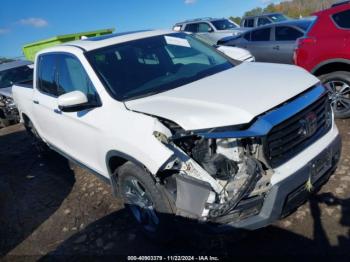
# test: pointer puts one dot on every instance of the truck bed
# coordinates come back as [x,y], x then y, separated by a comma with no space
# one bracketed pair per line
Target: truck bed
[23,97]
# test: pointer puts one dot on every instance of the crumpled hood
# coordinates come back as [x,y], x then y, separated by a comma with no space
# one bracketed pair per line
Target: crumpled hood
[6,91]
[232,97]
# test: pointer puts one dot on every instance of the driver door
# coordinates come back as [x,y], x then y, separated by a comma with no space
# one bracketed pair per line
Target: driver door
[79,130]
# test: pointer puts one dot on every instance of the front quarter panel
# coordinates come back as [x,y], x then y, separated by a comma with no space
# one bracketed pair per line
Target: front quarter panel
[130,135]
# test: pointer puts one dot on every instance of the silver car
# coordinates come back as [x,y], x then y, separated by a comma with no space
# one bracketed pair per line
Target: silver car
[273,43]
[264,19]
[214,29]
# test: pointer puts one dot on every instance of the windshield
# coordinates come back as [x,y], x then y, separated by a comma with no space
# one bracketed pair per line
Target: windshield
[152,65]
[278,18]
[15,75]
[224,24]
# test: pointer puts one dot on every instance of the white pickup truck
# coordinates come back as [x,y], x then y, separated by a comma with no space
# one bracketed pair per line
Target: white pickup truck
[180,130]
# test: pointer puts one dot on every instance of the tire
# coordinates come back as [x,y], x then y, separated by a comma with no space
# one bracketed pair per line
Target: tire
[338,84]
[146,202]
[37,142]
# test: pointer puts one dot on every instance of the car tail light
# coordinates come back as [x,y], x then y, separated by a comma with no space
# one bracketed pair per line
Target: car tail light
[301,42]
[305,41]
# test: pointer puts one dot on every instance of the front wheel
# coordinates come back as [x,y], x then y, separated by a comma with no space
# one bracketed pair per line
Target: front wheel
[338,85]
[145,201]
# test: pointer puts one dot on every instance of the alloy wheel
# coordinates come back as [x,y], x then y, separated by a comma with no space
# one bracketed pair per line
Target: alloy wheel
[140,203]
[339,93]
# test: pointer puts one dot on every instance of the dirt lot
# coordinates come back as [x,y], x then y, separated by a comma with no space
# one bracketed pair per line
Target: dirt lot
[48,209]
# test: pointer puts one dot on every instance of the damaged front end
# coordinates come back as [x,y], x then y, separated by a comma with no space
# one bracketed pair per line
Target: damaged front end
[213,178]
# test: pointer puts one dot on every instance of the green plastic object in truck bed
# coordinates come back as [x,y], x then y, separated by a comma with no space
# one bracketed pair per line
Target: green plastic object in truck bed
[30,50]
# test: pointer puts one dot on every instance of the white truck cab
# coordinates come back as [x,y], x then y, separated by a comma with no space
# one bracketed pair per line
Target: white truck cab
[180,130]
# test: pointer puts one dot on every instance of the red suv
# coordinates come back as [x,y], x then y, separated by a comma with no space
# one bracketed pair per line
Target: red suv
[325,52]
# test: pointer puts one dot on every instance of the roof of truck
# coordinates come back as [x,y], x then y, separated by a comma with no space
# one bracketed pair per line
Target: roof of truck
[112,39]
[14,64]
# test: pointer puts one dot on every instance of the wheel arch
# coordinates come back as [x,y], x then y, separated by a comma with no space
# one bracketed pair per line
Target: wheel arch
[116,159]
[330,66]
[25,118]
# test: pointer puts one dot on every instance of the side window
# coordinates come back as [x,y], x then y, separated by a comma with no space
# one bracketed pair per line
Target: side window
[47,74]
[261,35]
[193,28]
[342,19]
[286,33]
[263,21]
[249,23]
[72,77]
[204,28]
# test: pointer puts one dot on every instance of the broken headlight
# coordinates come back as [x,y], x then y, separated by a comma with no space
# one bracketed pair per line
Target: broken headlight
[233,164]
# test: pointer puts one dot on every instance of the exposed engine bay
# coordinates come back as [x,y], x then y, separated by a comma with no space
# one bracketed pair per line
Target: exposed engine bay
[233,169]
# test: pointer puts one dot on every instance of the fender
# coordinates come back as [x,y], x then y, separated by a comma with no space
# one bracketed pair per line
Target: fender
[330,61]
[116,153]
[113,174]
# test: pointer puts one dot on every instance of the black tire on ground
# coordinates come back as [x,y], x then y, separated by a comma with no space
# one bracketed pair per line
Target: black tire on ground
[4,122]
[134,178]
[335,82]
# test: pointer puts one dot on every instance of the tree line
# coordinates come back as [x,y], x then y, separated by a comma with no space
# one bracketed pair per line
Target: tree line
[291,8]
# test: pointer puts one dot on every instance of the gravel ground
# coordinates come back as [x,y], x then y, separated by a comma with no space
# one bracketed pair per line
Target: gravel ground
[48,207]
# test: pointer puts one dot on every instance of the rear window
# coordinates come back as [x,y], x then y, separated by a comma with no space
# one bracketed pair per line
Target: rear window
[286,33]
[342,19]
[305,25]
[261,35]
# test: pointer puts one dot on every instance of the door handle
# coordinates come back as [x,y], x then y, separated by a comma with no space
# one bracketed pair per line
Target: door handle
[36,102]
[277,47]
[57,111]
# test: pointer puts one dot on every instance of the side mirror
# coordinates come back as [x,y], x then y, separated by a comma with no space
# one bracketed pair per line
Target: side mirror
[210,30]
[73,102]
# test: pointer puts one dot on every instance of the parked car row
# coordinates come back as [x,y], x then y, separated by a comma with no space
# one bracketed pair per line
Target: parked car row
[320,44]
[274,43]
